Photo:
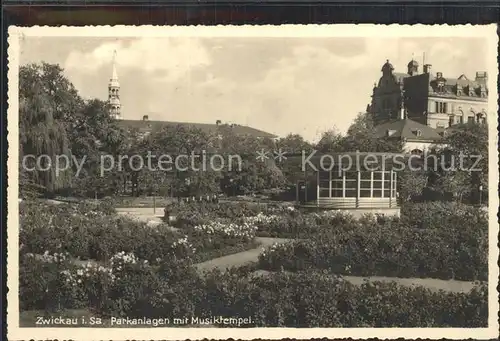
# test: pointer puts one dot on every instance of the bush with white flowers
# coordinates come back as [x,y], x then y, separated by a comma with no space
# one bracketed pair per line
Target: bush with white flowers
[244,230]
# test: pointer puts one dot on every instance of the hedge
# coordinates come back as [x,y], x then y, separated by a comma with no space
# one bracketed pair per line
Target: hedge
[442,215]
[371,248]
[305,299]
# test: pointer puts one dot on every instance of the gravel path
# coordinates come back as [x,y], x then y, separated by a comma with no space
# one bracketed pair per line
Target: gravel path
[429,283]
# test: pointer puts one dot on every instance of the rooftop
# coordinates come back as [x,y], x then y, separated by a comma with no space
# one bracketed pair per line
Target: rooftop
[407,129]
[147,125]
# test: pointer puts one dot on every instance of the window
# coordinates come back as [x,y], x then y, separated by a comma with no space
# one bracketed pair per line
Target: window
[351,184]
[451,121]
[461,120]
[324,184]
[441,107]
[470,119]
[375,184]
[337,185]
[440,86]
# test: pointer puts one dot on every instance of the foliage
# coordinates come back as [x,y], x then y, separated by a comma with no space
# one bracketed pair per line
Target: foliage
[361,137]
[330,142]
[87,233]
[444,249]
[304,299]
[411,185]
[443,215]
[194,213]
[293,145]
[46,101]
[319,299]
[463,164]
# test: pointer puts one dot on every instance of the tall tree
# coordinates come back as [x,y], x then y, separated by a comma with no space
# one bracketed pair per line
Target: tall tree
[330,141]
[463,164]
[361,137]
[48,101]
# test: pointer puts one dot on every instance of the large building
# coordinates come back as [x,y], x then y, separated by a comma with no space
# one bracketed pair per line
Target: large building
[145,126]
[435,100]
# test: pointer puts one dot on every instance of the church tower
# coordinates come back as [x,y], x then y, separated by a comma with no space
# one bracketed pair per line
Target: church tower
[114,93]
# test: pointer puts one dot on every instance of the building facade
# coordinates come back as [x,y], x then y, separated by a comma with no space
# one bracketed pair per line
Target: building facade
[427,98]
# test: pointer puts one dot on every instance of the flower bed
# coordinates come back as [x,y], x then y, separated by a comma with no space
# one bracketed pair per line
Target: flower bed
[294,224]
[92,235]
[371,248]
[131,287]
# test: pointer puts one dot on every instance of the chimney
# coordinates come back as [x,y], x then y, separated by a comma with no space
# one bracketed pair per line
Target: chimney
[439,75]
[481,76]
[427,68]
[145,117]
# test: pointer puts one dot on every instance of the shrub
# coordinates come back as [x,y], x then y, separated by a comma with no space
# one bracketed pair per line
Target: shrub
[373,248]
[442,215]
[43,283]
[215,210]
[128,286]
[318,299]
[99,237]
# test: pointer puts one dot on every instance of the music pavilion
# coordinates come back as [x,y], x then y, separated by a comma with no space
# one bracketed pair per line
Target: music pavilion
[356,182]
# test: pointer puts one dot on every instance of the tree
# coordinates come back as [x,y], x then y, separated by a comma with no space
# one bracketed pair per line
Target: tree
[291,168]
[361,137]
[463,163]
[330,141]
[93,133]
[411,184]
[47,102]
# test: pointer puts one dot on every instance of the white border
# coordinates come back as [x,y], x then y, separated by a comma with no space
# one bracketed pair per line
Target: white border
[488,32]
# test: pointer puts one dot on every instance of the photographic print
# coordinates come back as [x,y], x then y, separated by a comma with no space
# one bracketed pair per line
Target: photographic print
[252,182]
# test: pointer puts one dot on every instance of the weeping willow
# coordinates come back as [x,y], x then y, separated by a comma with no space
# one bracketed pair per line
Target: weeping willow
[41,126]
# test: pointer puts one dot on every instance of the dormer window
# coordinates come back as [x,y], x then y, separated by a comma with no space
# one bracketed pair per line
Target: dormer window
[391,132]
[470,90]
[482,91]
[440,82]
[417,132]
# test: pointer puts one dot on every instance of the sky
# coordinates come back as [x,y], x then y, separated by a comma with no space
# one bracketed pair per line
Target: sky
[280,85]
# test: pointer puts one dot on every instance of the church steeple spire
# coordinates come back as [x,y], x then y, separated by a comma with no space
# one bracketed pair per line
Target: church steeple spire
[114,92]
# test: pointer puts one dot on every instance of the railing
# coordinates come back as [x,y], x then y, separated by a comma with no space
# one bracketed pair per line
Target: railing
[347,203]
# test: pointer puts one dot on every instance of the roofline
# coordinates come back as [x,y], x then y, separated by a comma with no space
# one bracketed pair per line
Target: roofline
[257,132]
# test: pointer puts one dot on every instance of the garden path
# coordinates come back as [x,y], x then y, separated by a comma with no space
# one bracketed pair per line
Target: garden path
[144,214]
[429,283]
[241,258]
